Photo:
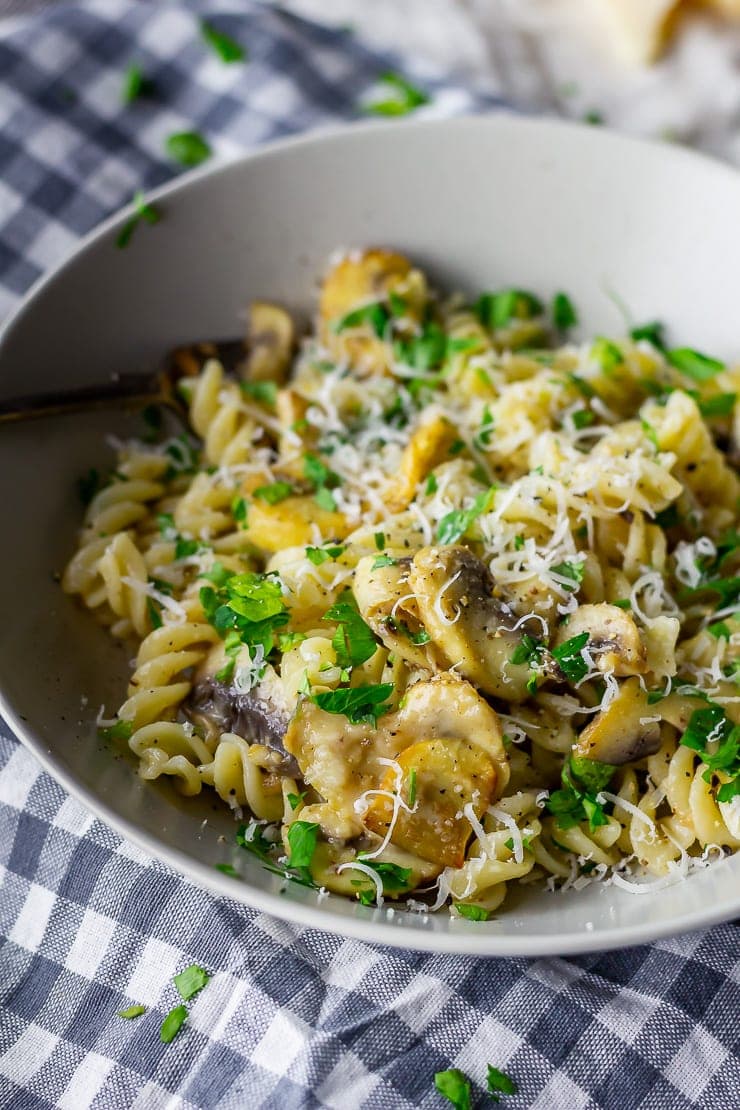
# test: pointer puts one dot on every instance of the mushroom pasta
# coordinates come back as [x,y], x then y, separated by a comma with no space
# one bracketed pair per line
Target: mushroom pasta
[434,599]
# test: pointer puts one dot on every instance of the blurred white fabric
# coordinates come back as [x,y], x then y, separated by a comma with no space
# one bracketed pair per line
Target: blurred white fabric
[558,56]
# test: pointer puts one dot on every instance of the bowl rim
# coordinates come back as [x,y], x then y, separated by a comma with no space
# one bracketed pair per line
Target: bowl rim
[369,926]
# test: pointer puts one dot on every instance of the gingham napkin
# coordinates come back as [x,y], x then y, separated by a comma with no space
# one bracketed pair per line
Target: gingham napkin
[290,1018]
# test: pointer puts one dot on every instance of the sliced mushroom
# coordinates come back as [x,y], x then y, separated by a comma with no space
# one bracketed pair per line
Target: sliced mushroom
[260,715]
[427,448]
[385,600]
[438,779]
[472,628]
[342,761]
[613,638]
[623,732]
[365,278]
[270,342]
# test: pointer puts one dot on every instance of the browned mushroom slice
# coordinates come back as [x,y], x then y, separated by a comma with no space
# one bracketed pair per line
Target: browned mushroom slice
[438,779]
[613,638]
[386,602]
[270,341]
[472,628]
[623,732]
[359,280]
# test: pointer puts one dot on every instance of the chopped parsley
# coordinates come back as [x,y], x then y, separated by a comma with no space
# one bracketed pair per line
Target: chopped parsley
[375,315]
[473,913]
[528,650]
[320,555]
[564,314]
[398,97]
[607,354]
[322,479]
[325,500]
[121,730]
[302,838]
[135,84]
[411,793]
[359,704]
[189,148]
[717,740]
[383,561]
[497,310]
[395,878]
[499,1083]
[239,511]
[455,1086]
[172,1024]
[582,780]
[132,1012]
[154,612]
[582,418]
[622,603]
[274,493]
[695,365]
[431,486]
[223,45]
[569,658]
[190,981]
[263,392]
[143,213]
[720,405]
[294,800]
[380,541]
[650,433]
[652,332]
[354,641]
[573,571]
[250,604]
[456,523]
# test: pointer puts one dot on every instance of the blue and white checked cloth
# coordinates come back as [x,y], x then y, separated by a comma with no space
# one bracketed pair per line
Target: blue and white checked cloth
[291,1018]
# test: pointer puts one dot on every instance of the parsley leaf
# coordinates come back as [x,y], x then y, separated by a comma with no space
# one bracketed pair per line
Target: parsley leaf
[190,981]
[497,310]
[121,730]
[569,659]
[143,212]
[456,523]
[720,405]
[189,148]
[240,511]
[375,314]
[573,571]
[710,726]
[264,392]
[582,418]
[576,801]
[135,84]
[359,704]
[250,604]
[473,913]
[227,48]
[607,354]
[455,1086]
[383,561]
[499,1081]
[563,312]
[399,97]
[652,332]
[354,641]
[173,1023]
[319,555]
[274,493]
[132,1012]
[395,878]
[695,365]
[528,650]
[302,838]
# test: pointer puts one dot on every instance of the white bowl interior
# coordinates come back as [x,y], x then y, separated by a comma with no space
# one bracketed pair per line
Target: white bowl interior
[480,203]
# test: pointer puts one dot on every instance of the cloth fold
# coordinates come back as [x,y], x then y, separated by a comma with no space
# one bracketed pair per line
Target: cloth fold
[89,925]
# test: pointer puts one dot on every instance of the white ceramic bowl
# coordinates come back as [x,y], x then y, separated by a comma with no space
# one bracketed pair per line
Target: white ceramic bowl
[480,203]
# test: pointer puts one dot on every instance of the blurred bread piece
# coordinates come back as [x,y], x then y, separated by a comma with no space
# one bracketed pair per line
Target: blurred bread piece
[643,27]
